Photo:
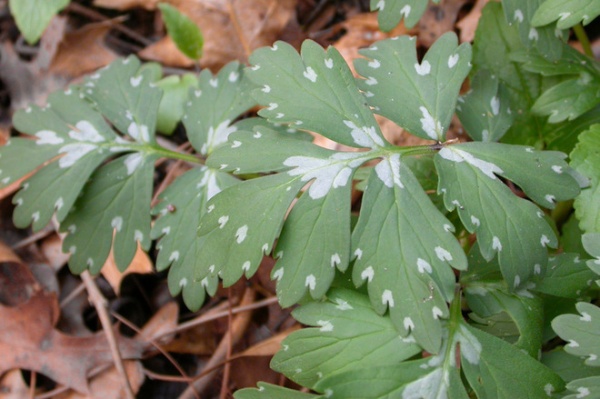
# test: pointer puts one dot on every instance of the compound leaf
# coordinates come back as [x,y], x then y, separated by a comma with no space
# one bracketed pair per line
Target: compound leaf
[349,335]
[426,91]
[325,97]
[270,391]
[32,16]
[116,200]
[403,247]
[485,110]
[214,105]
[585,159]
[180,208]
[487,206]
[391,12]
[581,332]
[567,13]
[184,32]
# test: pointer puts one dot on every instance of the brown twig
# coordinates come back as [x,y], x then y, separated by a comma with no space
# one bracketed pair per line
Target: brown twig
[99,303]
[205,318]
[236,331]
[227,366]
[238,28]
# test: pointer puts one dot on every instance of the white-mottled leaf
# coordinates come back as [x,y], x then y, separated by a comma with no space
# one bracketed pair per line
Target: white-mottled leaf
[485,110]
[117,200]
[544,38]
[420,96]
[566,276]
[347,334]
[581,332]
[584,388]
[315,91]
[567,13]
[585,159]
[127,96]
[180,208]
[391,12]
[214,105]
[498,372]
[404,249]
[487,206]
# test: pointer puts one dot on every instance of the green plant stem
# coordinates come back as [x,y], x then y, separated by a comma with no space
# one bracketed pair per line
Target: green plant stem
[583,39]
[163,152]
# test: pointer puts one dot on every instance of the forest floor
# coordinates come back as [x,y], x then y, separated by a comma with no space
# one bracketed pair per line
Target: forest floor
[228,344]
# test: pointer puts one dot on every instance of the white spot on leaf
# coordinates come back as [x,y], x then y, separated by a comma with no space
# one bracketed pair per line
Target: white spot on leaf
[371,81]
[329,63]
[174,256]
[408,324]
[326,325]
[518,16]
[234,76]
[335,260]
[388,171]
[430,125]
[241,233]
[117,223]
[436,312]
[424,68]
[310,282]
[132,162]
[374,64]
[585,317]
[496,244]
[246,265]
[343,305]
[452,60]
[423,266]
[457,155]
[138,132]
[495,104]
[443,254]
[364,136]
[48,137]
[73,152]
[278,274]
[387,298]
[135,81]
[310,74]
[223,221]
[368,274]
[358,253]
[544,240]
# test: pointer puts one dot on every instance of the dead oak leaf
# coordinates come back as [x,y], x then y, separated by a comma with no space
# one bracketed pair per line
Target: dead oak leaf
[29,341]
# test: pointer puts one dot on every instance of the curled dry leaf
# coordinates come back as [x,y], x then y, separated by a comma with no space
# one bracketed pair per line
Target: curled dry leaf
[28,340]
[231,30]
[12,386]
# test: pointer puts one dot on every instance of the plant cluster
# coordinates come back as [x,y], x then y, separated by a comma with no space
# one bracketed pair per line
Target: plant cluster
[466,259]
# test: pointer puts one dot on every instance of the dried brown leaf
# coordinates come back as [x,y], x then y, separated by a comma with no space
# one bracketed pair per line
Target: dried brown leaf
[141,263]
[29,341]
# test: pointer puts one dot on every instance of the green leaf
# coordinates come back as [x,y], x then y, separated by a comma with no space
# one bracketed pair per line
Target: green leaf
[584,387]
[484,111]
[392,12]
[325,98]
[350,335]
[523,308]
[567,12]
[591,243]
[33,16]
[569,99]
[585,159]
[180,208]
[73,135]
[572,62]
[487,206]
[566,276]
[127,96]
[404,248]
[568,367]
[500,369]
[171,109]
[214,105]
[184,32]
[494,37]
[270,391]
[117,200]
[544,38]
[425,91]
[581,332]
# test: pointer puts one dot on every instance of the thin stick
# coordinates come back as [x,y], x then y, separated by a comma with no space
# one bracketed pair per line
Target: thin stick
[210,317]
[238,28]
[239,325]
[227,366]
[33,238]
[99,303]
